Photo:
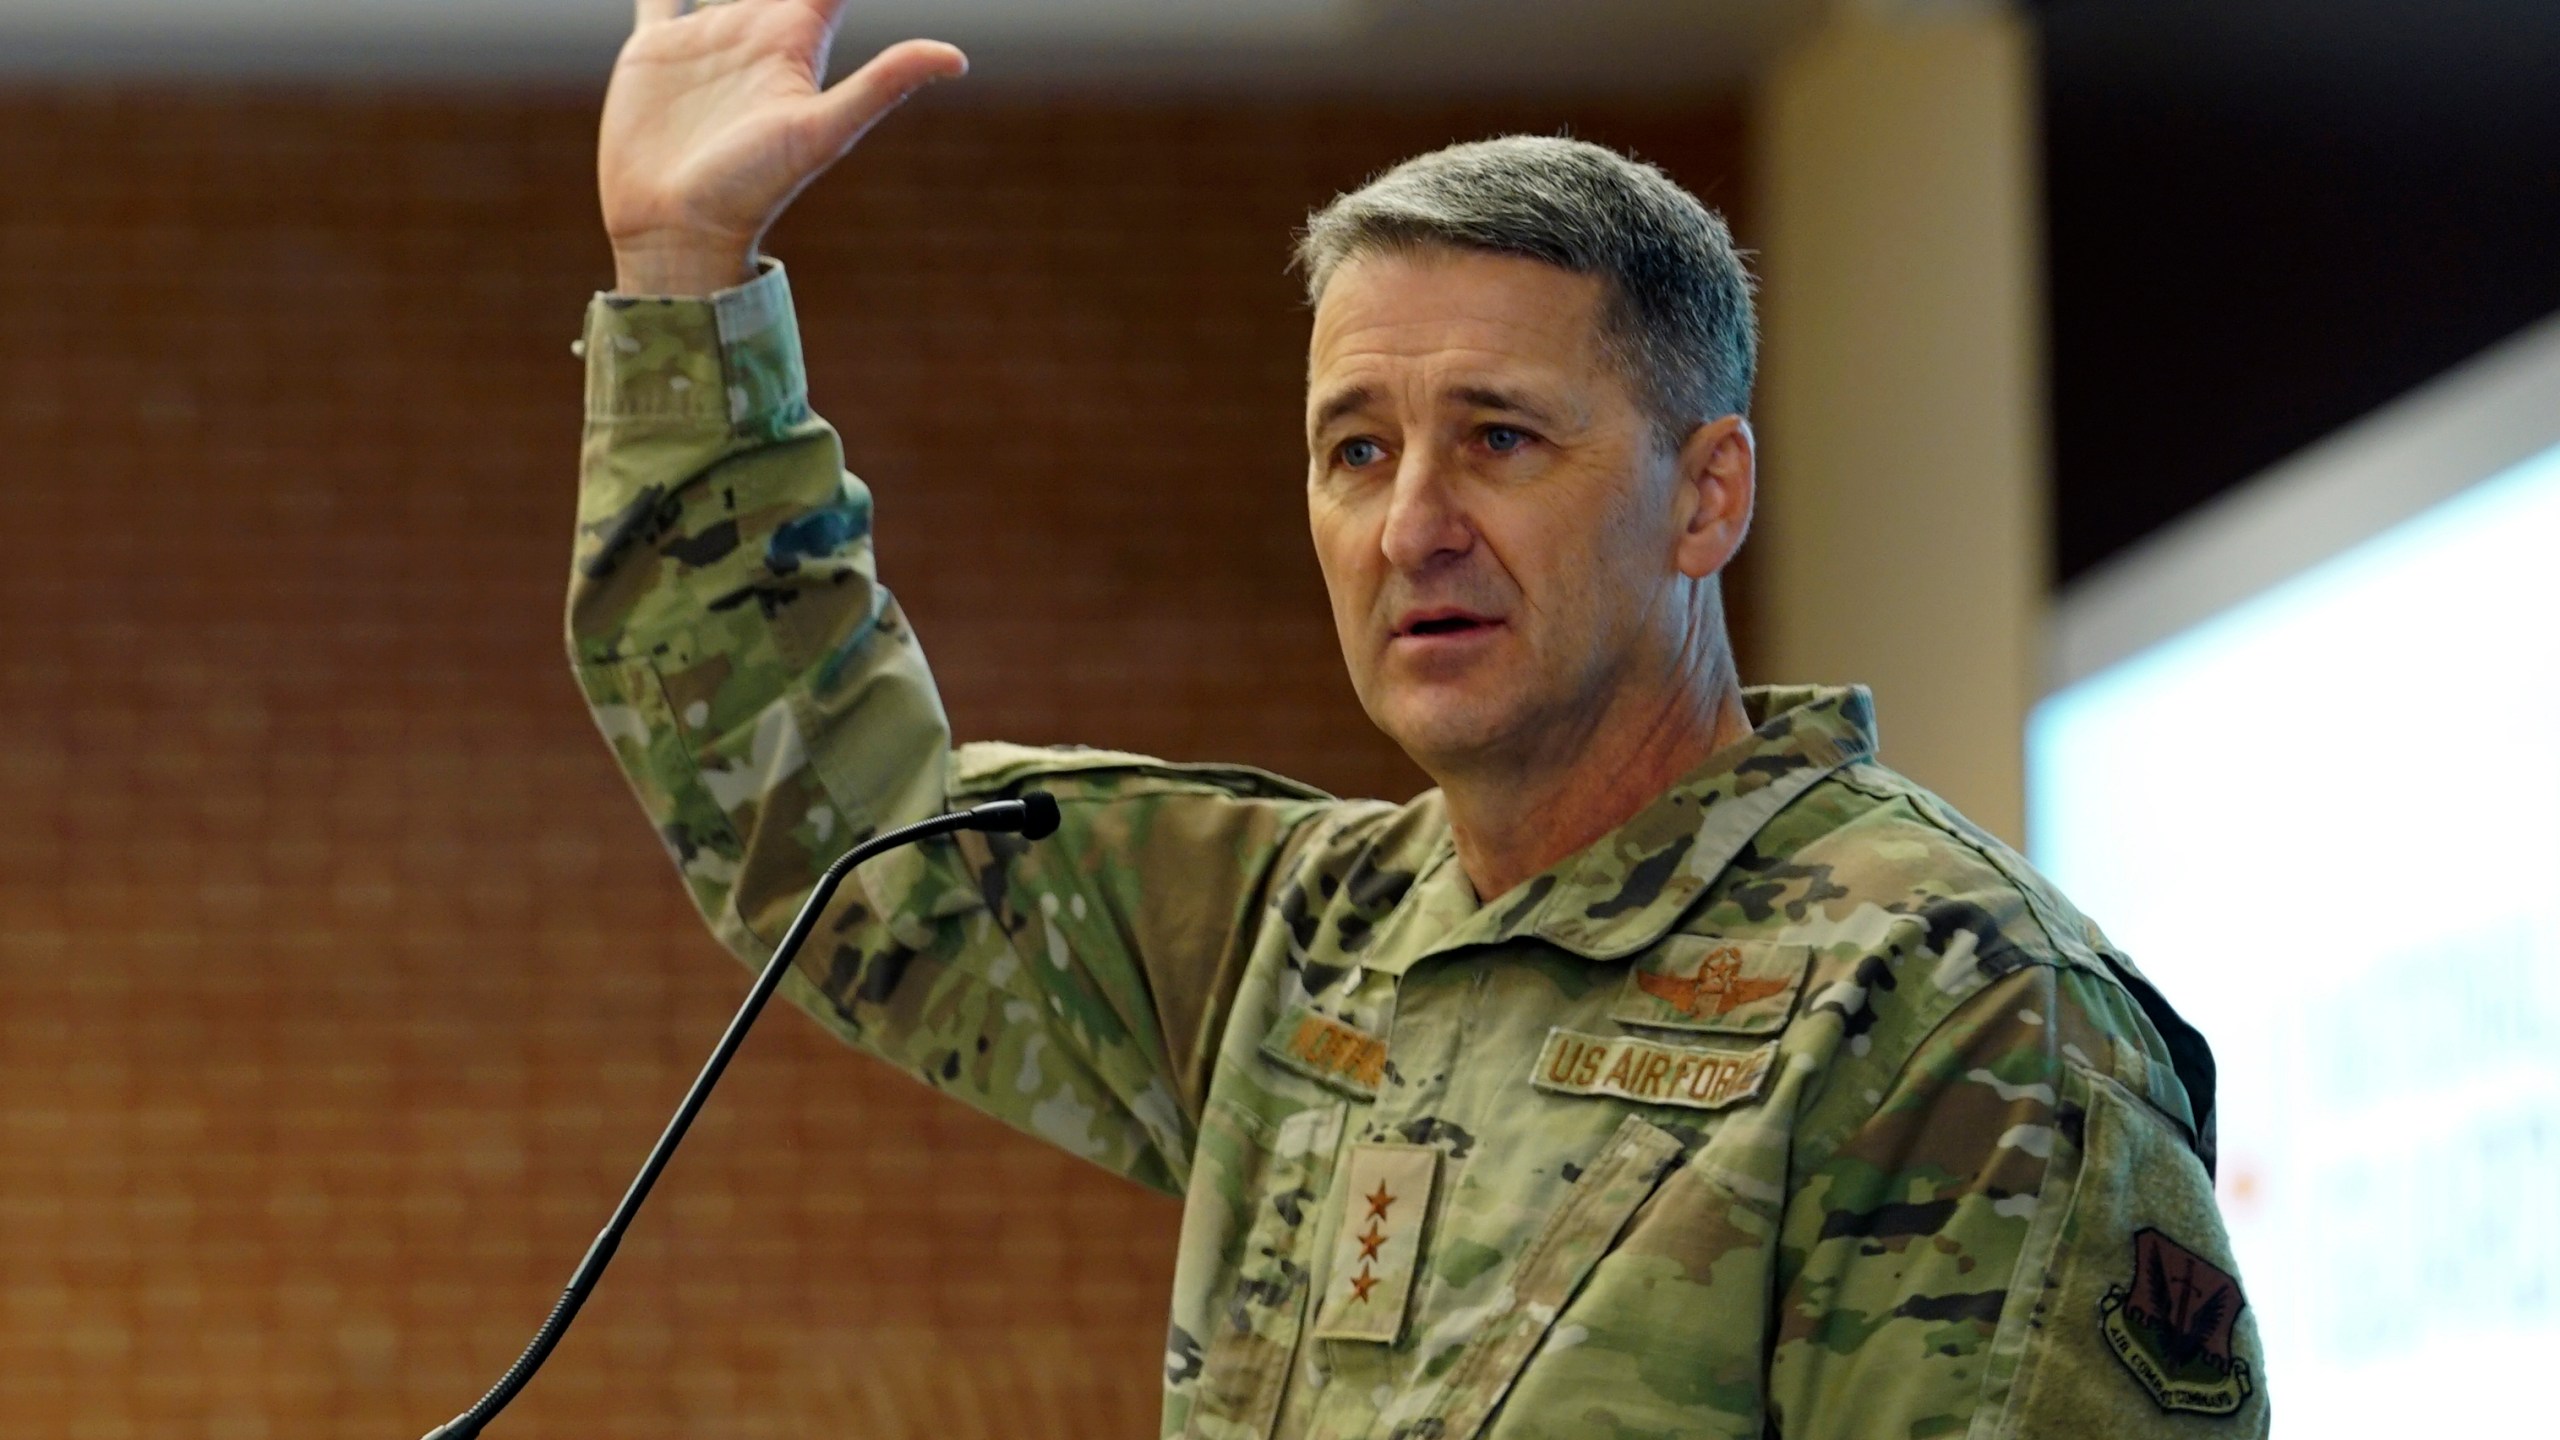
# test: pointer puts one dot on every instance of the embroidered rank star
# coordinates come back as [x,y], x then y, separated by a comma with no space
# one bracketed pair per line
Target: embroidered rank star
[1386,1196]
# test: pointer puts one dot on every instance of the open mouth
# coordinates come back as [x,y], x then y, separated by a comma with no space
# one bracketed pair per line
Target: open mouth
[1443,624]
[1450,625]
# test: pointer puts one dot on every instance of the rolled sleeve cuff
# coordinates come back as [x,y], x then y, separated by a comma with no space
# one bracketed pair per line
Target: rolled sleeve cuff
[731,359]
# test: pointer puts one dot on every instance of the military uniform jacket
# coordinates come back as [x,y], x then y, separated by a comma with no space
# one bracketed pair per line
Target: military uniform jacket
[1796,1106]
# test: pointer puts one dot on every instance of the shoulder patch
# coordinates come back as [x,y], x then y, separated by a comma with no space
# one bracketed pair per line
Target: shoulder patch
[2171,1326]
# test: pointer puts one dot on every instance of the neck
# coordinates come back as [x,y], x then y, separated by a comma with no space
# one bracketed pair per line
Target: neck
[1512,822]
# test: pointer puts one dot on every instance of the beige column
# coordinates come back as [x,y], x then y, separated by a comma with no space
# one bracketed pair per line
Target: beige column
[1901,524]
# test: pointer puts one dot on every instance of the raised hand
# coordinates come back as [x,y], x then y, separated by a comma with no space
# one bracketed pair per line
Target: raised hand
[716,118]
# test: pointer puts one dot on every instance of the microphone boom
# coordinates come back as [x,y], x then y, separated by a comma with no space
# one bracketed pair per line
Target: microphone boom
[1034,815]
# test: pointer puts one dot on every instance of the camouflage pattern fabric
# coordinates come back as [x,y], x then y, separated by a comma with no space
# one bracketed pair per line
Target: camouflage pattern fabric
[1796,1106]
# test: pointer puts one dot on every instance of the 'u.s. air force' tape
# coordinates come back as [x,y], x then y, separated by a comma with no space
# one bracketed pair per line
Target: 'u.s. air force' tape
[1652,1073]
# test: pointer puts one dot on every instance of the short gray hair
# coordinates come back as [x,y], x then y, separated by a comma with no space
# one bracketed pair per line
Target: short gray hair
[1677,318]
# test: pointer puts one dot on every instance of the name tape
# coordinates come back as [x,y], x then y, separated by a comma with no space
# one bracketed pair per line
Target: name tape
[1323,1048]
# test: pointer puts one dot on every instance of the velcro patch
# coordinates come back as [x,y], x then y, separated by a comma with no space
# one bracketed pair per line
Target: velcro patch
[1654,1074]
[2171,1325]
[1328,1050]
[1386,1196]
[1731,987]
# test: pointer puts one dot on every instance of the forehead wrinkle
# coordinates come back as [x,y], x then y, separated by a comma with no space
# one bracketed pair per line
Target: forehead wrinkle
[1467,376]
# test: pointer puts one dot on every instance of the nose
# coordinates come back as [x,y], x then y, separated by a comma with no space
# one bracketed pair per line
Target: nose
[1425,523]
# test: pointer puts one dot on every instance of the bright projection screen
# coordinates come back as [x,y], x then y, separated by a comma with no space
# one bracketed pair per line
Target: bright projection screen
[2301,760]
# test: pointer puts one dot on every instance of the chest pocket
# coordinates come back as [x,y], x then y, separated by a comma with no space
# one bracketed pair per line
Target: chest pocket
[1550,1270]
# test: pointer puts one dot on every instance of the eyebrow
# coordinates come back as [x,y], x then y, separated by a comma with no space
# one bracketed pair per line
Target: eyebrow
[1340,405]
[1476,396]
[1483,398]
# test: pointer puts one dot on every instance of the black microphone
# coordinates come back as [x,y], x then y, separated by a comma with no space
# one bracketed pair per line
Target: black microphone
[1033,816]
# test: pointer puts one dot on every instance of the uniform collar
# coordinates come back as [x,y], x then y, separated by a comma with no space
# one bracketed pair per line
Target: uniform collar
[1625,890]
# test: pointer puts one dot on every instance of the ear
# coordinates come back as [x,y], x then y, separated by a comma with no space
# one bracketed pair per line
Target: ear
[1718,478]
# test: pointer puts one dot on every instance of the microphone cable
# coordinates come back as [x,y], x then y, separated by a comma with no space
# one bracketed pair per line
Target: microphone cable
[1033,816]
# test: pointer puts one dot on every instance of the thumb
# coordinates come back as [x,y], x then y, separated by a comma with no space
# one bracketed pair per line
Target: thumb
[855,103]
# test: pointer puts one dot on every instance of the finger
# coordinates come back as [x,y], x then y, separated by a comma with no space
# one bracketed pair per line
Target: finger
[856,102]
[827,10]
[650,12]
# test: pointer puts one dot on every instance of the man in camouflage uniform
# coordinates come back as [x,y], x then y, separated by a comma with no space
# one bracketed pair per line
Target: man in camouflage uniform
[1674,1069]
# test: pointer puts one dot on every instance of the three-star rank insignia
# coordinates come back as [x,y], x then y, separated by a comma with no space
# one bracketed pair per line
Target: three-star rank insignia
[1377,1246]
[2172,1328]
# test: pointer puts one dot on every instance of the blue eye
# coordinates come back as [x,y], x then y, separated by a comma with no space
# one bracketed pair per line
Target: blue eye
[1362,451]
[1504,440]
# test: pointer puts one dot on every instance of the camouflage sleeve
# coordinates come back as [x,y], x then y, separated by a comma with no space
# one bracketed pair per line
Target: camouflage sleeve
[2018,1242]
[769,705]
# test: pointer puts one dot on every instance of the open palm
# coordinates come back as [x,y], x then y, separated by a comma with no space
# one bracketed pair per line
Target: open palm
[716,118]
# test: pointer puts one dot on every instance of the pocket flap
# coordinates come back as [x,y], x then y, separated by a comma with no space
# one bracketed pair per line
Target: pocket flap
[1730,987]
[1548,1273]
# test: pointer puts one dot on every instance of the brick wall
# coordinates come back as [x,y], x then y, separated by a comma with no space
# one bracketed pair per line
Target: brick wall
[340,984]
